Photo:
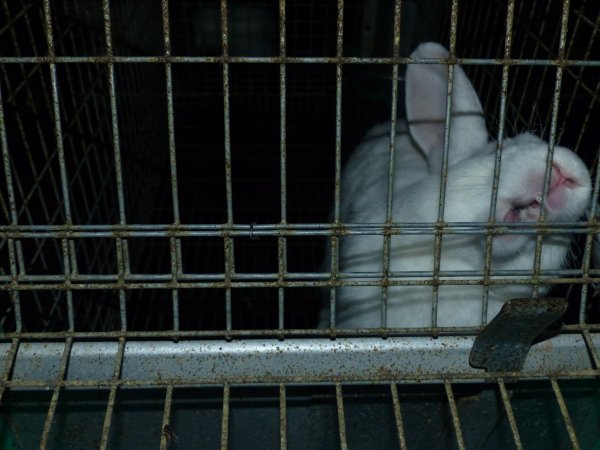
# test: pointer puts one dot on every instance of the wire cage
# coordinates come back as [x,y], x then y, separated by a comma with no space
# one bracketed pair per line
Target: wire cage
[169,168]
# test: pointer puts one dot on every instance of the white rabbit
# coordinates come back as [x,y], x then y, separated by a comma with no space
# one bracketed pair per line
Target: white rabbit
[417,168]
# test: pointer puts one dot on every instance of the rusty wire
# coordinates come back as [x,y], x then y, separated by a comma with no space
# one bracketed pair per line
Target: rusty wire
[70,280]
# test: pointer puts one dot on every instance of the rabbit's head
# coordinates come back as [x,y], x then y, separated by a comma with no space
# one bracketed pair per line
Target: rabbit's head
[471,158]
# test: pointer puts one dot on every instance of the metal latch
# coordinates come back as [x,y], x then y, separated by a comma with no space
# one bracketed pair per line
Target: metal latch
[503,344]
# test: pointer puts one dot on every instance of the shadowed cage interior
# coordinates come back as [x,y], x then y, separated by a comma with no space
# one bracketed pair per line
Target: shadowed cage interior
[141,143]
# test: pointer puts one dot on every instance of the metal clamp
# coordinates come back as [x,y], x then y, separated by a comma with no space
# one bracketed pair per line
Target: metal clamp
[503,344]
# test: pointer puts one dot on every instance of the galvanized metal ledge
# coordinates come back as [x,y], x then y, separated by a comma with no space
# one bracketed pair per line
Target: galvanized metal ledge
[196,362]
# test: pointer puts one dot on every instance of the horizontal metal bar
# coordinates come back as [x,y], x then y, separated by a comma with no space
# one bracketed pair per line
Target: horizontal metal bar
[269,333]
[393,227]
[164,59]
[287,230]
[326,283]
[273,276]
[408,359]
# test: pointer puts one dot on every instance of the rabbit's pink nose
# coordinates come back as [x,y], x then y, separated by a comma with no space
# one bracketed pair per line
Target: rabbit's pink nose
[559,177]
[559,181]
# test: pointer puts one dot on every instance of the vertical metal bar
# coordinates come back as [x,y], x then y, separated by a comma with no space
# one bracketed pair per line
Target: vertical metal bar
[175,244]
[12,258]
[165,438]
[454,412]
[531,78]
[110,407]
[509,413]
[9,363]
[55,113]
[75,176]
[281,241]
[387,239]
[578,77]
[45,160]
[225,418]
[54,400]
[548,43]
[114,112]
[96,123]
[66,249]
[551,143]
[341,418]
[444,170]
[498,161]
[335,240]
[592,213]
[482,22]
[584,124]
[24,137]
[33,41]
[121,271]
[593,351]
[565,413]
[121,244]
[226,118]
[398,417]
[61,161]
[282,418]
[228,240]
[176,269]
[589,240]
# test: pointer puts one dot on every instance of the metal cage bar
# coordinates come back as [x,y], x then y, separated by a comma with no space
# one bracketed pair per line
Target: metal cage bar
[167,435]
[398,417]
[498,161]
[454,412]
[118,59]
[282,242]
[341,416]
[437,252]
[552,140]
[510,414]
[282,417]
[175,244]
[123,358]
[565,413]
[228,241]
[55,394]
[335,241]
[225,418]
[390,189]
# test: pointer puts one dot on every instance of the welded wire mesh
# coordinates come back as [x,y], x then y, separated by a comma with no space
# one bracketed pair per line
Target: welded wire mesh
[168,173]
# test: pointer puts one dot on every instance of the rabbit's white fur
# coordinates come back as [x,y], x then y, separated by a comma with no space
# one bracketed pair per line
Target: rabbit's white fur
[417,167]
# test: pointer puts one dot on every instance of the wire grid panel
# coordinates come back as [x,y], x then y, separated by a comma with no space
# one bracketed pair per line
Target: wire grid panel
[168,172]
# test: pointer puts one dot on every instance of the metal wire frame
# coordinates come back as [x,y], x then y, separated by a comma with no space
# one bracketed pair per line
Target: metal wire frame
[295,360]
[69,280]
[72,279]
[41,254]
[228,231]
[95,207]
[401,60]
[548,37]
[449,379]
[166,433]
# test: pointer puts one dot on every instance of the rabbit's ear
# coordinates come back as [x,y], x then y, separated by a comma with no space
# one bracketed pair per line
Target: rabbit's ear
[426,96]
